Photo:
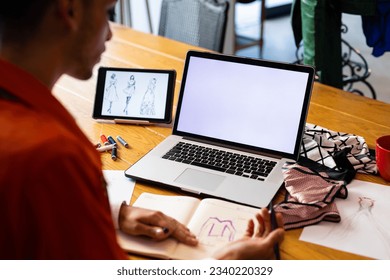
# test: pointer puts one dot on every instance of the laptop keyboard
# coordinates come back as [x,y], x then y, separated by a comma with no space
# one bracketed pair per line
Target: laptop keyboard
[228,162]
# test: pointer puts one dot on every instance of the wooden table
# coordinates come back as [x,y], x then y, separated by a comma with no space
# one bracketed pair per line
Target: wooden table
[329,107]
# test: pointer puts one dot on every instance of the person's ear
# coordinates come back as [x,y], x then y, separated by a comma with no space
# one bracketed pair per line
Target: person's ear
[70,11]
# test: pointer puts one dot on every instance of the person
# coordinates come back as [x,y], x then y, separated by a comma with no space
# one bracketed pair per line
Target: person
[53,199]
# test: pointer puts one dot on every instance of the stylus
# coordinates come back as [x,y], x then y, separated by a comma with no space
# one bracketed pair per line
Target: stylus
[274,225]
[131,121]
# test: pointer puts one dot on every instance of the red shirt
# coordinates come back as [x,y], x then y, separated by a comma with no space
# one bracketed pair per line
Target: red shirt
[53,200]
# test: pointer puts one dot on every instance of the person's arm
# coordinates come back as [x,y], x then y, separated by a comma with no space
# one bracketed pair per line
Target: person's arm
[68,206]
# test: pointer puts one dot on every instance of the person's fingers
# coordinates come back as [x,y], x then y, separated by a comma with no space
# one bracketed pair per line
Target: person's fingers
[250,229]
[252,246]
[267,221]
[260,224]
[184,235]
[263,225]
[149,230]
[138,221]
[167,226]
[158,219]
[275,237]
[156,225]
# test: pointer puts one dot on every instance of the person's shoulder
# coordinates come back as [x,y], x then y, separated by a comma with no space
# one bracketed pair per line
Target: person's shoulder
[38,135]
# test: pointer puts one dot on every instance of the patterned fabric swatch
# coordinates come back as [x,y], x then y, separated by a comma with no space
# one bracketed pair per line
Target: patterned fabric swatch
[309,197]
[329,160]
[323,146]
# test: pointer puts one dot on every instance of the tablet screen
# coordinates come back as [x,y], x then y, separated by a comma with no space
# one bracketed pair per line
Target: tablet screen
[134,94]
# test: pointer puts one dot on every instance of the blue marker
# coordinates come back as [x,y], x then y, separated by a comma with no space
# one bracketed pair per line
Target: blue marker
[113,153]
[111,140]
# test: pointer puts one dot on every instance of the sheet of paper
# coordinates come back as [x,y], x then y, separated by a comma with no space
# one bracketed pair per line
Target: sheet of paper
[119,187]
[365,226]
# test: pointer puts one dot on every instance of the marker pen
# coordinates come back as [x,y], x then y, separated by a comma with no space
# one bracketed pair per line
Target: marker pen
[111,140]
[104,139]
[105,148]
[113,153]
[122,141]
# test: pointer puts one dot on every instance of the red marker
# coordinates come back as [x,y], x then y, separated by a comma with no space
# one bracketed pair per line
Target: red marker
[104,139]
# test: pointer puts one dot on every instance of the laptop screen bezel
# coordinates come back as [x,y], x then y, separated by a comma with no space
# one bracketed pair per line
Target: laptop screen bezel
[251,61]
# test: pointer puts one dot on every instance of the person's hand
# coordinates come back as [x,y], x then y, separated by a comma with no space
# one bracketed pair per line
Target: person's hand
[258,241]
[154,224]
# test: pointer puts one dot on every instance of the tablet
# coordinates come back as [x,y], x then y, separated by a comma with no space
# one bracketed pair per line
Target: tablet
[138,96]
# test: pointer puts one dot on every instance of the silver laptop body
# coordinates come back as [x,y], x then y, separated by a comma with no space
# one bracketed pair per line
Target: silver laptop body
[231,110]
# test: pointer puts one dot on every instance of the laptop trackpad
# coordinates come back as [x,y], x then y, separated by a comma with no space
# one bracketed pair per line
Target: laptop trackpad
[200,179]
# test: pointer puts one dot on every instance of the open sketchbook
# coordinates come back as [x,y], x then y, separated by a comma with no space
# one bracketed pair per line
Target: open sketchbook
[214,222]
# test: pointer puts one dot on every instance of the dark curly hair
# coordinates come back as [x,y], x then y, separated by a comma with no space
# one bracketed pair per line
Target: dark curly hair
[19,19]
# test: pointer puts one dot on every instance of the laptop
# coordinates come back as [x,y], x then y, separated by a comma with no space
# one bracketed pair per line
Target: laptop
[238,120]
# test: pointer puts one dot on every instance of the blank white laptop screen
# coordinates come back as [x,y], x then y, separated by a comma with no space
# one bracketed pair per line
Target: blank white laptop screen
[242,103]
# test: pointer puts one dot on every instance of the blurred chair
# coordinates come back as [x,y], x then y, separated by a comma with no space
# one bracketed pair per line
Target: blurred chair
[196,22]
[249,41]
[125,16]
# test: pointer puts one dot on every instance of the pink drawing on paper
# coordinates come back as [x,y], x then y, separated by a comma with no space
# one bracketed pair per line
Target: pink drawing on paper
[215,230]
